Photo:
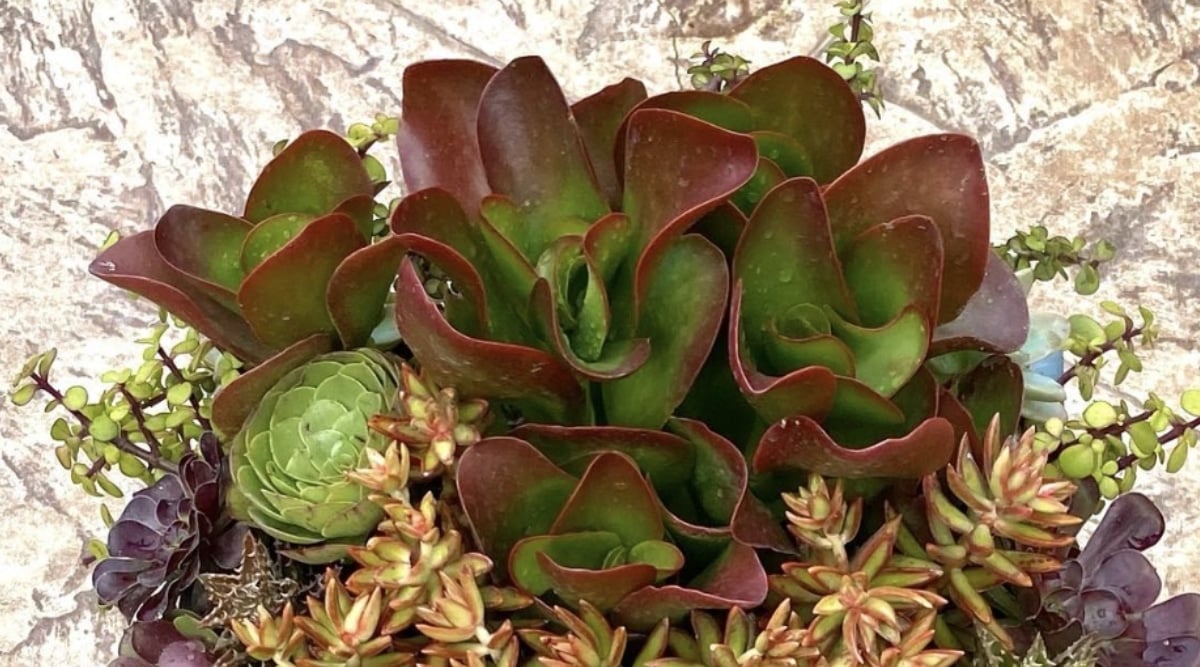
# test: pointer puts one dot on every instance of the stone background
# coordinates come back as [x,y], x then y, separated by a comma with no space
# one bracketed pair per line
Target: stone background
[112,110]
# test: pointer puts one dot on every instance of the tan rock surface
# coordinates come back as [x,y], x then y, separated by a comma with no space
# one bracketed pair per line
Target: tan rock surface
[112,110]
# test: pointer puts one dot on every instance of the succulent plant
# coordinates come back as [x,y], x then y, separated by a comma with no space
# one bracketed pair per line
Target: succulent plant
[166,535]
[567,515]
[160,644]
[296,263]
[1109,591]
[291,458]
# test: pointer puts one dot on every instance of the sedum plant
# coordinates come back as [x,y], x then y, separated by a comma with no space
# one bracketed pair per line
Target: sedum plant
[663,380]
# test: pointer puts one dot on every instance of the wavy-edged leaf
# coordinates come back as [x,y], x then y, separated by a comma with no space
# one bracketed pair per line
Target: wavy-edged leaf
[531,151]
[358,288]
[509,491]
[799,444]
[938,176]
[133,263]
[677,169]
[735,579]
[719,478]
[616,359]
[438,140]
[570,567]
[994,387]
[665,458]
[995,319]
[599,117]
[234,402]
[806,100]
[204,246]
[538,382]
[313,174]
[786,259]
[805,391]
[886,357]
[895,265]
[283,298]
[612,496]
[681,325]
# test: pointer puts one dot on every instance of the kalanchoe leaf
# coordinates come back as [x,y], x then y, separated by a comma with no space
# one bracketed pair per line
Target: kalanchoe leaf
[205,246]
[531,150]
[799,443]
[893,266]
[238,399]
[437,140]
[283,298]
[807,101]
[939,176]
[509,491]
[359,284]
[631,514]
[995,319]
[134,263]
[543,386]
[313,175]
[681,328]
[598,118]
[994,387]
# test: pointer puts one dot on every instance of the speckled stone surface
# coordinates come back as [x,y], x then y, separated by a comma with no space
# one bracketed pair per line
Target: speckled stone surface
[112,110]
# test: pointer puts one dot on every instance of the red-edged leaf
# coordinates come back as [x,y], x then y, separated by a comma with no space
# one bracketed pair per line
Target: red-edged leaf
[754,525]
[938,176]
[537,381]
[800,444]
[313,174]
[862,417]
[681,325]
[270,235]
[361,209]
[359,287]
[531,151]
[766,176]
[509,491]
[236,400]
[598,118]
[435,217]
[205,246]
[805,391]
[809,102]
[437,141]
[670,183]
[886,357]
[736,578]
[665,458]
[617,359]
[995,386]
[950,409]
[283,298]
[133,263]
[719,478]
[786,259]
[996,319]
[716,108]
[612,496]
[783,152]
[724,227]
[895,265]
[603,589]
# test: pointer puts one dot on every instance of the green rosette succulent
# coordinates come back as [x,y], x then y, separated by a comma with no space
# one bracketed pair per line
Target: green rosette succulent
[290,459]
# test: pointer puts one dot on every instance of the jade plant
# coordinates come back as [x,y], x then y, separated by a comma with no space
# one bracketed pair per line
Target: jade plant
[664,380]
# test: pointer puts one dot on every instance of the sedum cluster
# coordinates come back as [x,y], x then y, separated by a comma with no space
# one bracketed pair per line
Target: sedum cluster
[660,380]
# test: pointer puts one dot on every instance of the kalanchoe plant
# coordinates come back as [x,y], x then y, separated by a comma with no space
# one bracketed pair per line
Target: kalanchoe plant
[673,380]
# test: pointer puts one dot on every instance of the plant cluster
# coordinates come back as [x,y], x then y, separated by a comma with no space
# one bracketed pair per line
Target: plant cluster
[654,380]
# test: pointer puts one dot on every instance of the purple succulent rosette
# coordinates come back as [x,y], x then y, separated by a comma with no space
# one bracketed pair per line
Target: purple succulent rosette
[167,534]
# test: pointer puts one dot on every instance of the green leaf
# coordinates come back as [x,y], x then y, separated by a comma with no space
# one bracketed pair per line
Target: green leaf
[1077,461]
[311,175]
[75,398]
[104,429]
[1190,402]
[1178,458]
[179,394]
[1100,414]
[23,394]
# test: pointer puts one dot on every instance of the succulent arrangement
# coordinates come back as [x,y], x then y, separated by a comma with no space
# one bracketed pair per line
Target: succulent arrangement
[660,380]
